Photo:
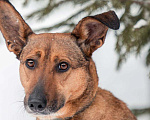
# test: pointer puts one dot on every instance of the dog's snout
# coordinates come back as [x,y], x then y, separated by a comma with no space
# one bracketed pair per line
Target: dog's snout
[36,104]
[37,100]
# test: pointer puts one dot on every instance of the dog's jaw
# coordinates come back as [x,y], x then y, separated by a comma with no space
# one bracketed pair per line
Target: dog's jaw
[52,116]
[49,116]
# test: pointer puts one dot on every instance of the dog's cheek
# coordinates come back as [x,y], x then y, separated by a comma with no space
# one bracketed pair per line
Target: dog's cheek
[75,83]
[73,88]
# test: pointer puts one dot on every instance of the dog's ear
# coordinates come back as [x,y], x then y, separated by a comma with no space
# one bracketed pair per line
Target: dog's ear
[91,31]
[13,27]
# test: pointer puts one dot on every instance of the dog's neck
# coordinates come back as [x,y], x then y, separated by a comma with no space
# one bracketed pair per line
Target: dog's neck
[82,110]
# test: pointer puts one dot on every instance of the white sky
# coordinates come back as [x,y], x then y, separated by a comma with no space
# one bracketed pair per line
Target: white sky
[130,84]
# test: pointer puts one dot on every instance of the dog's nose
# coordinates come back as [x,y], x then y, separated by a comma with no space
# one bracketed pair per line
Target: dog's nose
[36,105]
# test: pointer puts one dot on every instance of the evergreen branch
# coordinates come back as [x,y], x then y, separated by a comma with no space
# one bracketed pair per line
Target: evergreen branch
[44,11]
[145,2]
[48,9]
[148,59]
[136,1]
[65,22]
[26,2]
[138,112]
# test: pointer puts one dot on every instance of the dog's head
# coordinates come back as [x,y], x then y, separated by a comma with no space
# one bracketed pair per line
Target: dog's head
[56,70]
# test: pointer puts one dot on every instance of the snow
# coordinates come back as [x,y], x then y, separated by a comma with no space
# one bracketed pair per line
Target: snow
[140,23]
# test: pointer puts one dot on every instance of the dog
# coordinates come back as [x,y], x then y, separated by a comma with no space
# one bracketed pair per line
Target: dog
[57,70]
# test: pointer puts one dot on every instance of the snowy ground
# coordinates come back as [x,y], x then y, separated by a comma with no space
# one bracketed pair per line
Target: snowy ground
[130,84]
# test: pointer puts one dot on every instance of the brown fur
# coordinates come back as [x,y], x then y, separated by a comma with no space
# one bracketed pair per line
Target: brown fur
[75,92]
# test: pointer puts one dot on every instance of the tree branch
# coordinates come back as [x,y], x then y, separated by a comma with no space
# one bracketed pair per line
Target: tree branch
[138,112]
[65,22]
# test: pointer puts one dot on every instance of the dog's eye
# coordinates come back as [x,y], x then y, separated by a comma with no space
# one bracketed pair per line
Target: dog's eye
[63,67]
[30,63]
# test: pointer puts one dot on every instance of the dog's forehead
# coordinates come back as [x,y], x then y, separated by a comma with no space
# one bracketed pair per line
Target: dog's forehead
[53,44]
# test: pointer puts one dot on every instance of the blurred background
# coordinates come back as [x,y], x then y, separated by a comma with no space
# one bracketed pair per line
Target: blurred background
[123,62]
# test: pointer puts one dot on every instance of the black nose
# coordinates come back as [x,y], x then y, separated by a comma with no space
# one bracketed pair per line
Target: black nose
[37,99]
[36,105]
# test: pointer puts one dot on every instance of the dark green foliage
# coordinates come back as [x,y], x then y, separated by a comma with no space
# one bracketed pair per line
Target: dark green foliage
[129,40]
[141,111]
[133,40]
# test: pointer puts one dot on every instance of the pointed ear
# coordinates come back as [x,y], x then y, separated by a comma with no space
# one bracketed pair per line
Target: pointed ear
[91,31]
[13,28]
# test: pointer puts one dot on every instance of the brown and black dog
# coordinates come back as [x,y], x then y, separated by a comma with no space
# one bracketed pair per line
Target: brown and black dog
[57,71]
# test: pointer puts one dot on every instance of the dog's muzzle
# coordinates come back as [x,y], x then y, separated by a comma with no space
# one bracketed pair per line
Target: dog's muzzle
[37,102]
